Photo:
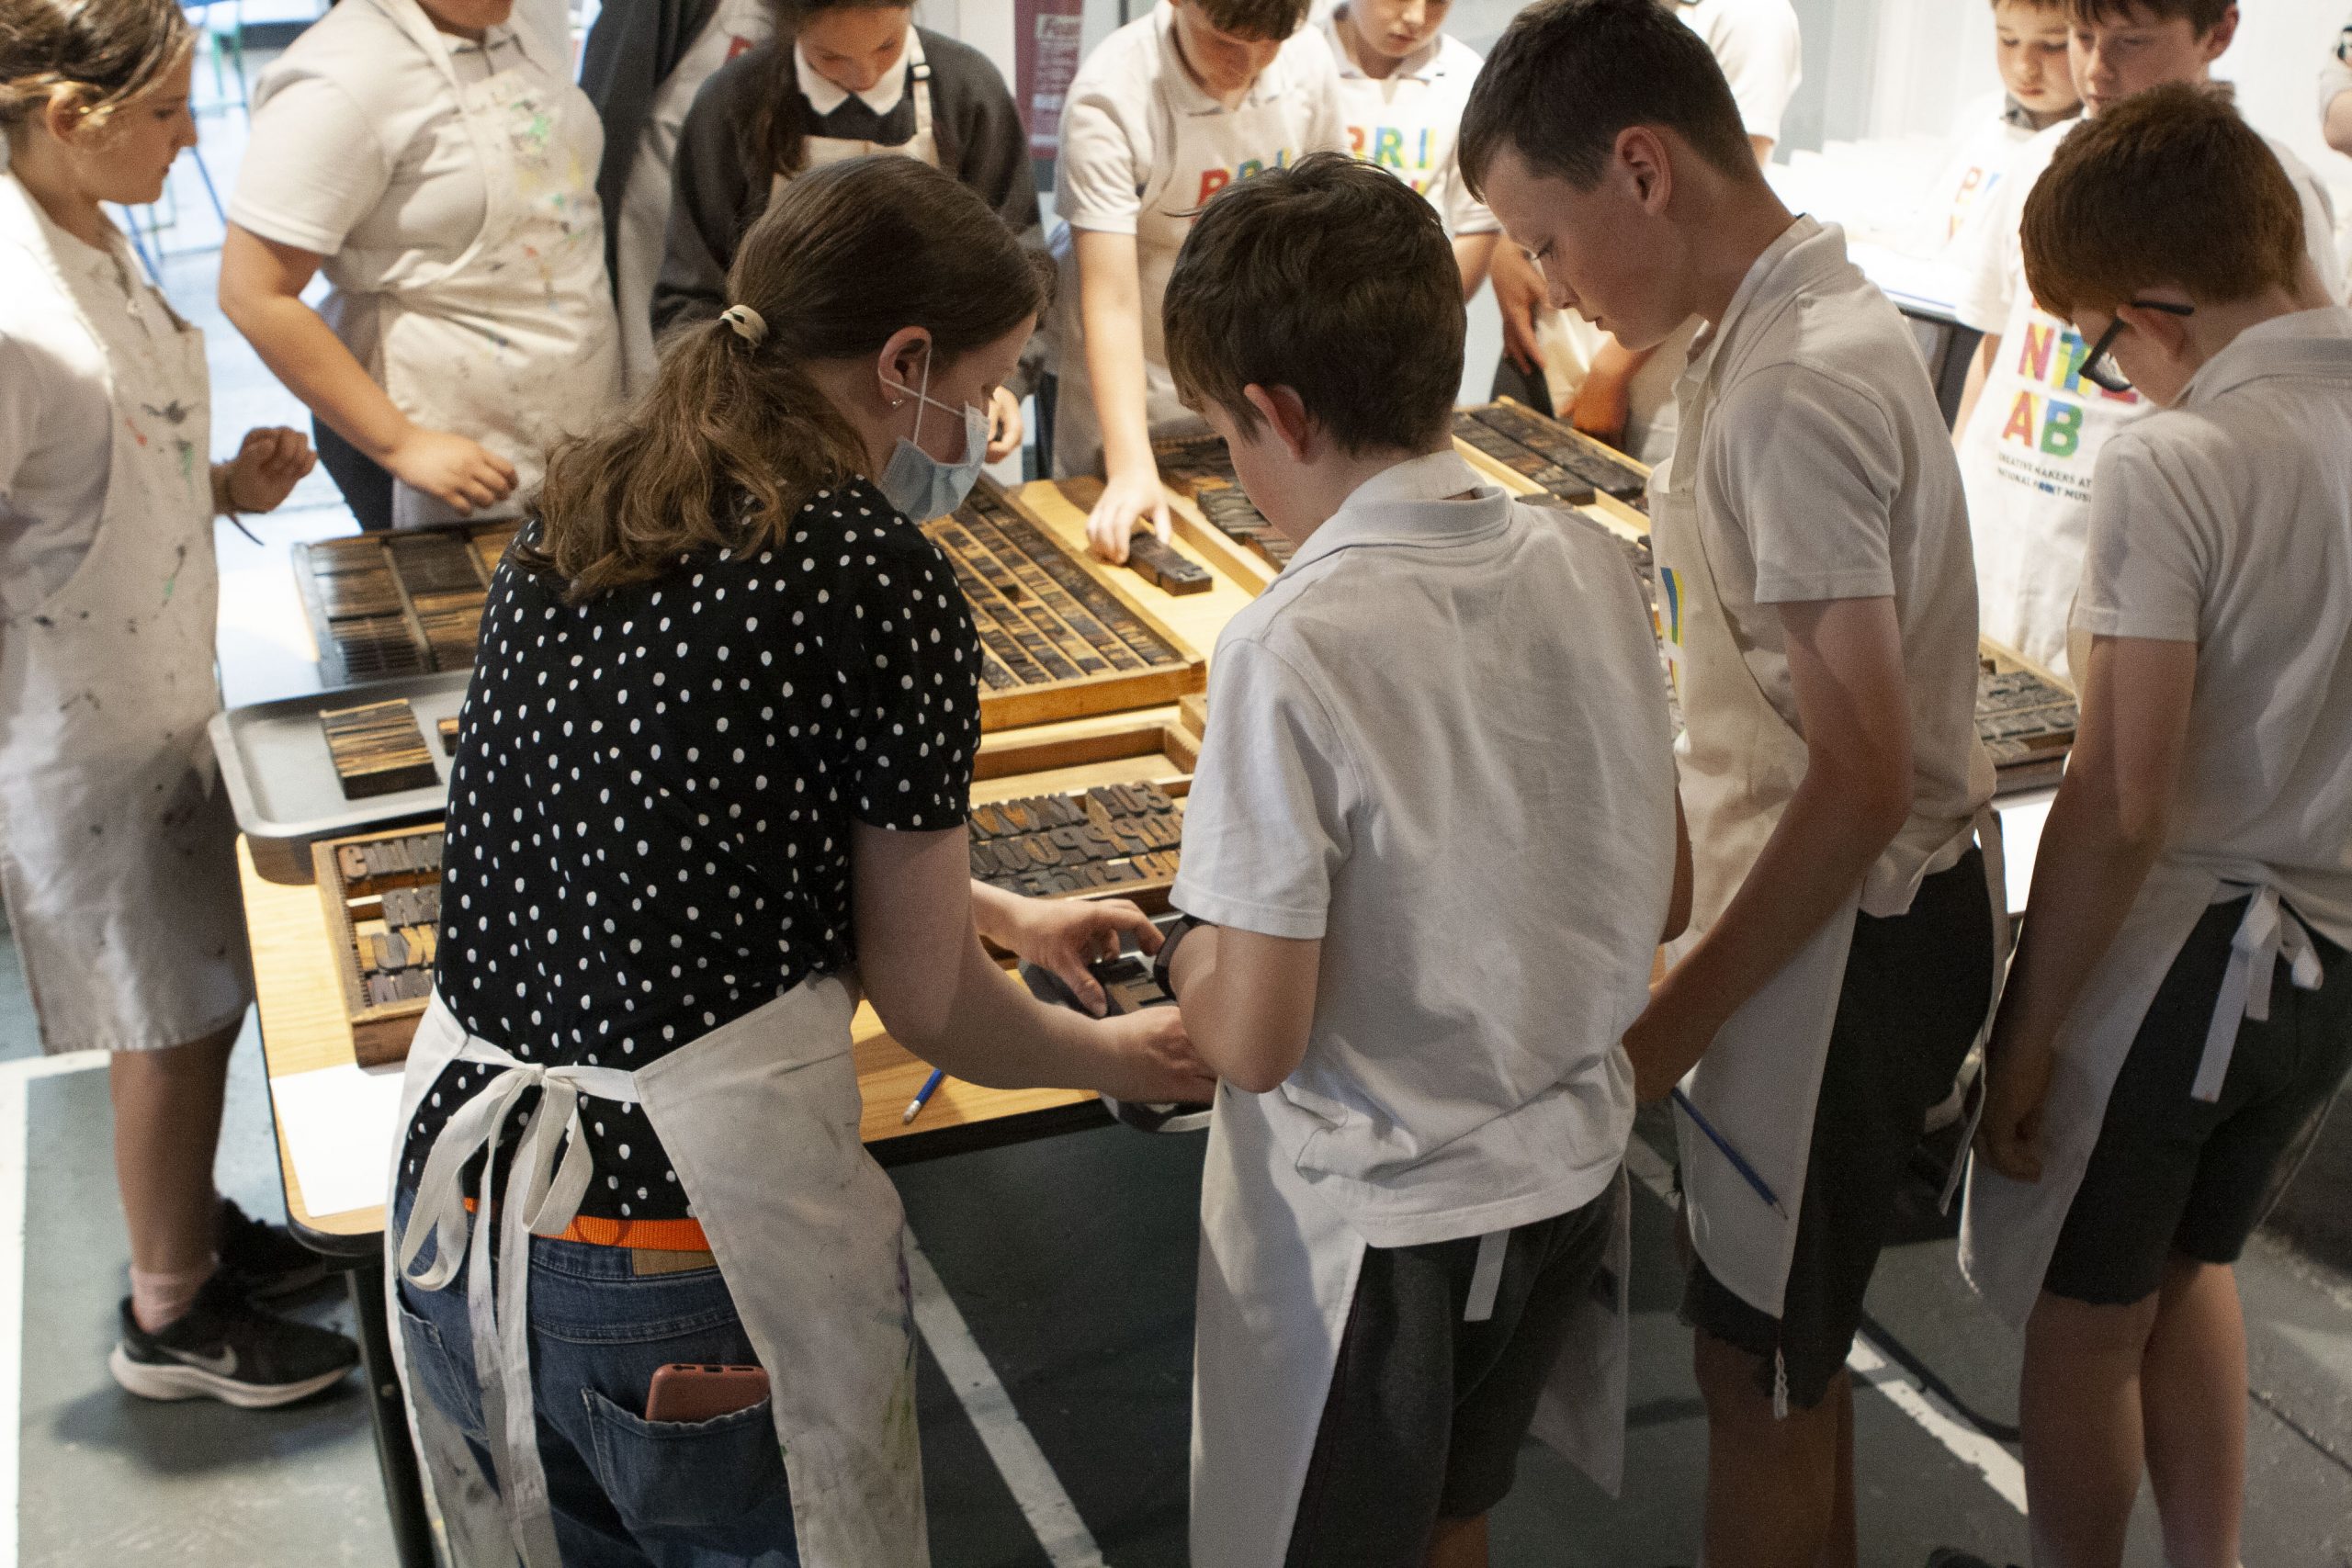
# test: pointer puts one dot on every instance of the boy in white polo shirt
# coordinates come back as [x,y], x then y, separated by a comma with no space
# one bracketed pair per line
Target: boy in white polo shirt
[2037,91]
[1433,830]
[2030,427]
[1181,101]
[1815,597]
[2181,1008]
[1403,81]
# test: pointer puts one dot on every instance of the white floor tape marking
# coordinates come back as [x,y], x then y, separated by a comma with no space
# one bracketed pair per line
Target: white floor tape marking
[1987,1457]
[15,1153]
[1035,1486]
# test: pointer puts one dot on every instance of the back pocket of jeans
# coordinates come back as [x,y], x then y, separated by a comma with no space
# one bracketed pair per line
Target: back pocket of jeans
[727,1471]
[448,1385]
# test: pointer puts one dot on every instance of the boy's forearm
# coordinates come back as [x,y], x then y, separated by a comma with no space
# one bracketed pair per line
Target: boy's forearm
[1110,293]
[1474,254]
[1979,367]
[1249,1002]
[2087,874]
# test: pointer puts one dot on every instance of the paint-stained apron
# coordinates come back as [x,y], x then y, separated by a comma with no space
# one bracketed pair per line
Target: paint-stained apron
[120,857]
[760,1120]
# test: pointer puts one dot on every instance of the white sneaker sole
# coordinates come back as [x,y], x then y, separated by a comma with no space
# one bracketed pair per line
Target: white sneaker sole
[177,1381]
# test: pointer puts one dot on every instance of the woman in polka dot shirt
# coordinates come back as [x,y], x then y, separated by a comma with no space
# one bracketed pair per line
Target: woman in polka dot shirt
[713,774]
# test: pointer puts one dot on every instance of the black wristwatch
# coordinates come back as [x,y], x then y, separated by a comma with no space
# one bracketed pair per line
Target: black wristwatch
[1161,962]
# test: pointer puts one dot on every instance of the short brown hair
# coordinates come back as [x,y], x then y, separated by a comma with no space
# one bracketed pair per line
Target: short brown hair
[2167,186]
[2203,15]
[1334,279]
[733,436]
[110,52]
[1273,20]
[1569,75]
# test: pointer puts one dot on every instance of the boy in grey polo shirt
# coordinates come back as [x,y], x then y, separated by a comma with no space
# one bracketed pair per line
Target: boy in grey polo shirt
[1433,835]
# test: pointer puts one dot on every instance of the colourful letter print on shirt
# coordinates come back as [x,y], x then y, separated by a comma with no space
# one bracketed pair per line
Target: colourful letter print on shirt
[1386,147]
[2052,355]
[1216,180]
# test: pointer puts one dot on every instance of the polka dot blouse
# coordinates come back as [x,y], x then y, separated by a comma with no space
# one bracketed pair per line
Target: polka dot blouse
[651,809]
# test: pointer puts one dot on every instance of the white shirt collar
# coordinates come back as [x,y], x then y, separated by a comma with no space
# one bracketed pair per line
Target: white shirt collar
[1418,66]
[825,95]
[1799,253]
[1412,502]
[2296,341]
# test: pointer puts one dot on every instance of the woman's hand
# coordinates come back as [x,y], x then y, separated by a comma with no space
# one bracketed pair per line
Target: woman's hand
[1065,935]
[1128,498]
[1006,427]
[462,475]
[1149,1059]
[269,463]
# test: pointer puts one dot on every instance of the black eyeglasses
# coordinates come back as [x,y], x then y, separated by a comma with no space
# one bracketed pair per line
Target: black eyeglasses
[2099,368]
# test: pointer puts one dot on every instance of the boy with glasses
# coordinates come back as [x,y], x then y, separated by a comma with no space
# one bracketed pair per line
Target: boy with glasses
[2180,1010]
[2029,428]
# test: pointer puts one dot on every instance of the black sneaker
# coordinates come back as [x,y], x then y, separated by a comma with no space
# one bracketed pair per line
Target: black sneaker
[1952,1557]
[224,1347]
[264,1260]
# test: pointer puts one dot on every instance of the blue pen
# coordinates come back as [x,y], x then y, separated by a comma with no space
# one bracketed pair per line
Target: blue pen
[923,1097]
[1746,1171]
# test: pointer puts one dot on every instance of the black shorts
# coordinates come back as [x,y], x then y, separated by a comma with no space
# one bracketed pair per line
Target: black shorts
[1427,1413]
[2170,1174]
[1918,987]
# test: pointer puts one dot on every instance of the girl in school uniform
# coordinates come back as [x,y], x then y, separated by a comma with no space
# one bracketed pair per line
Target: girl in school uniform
[645,62]
[433,158]
[116,844]
[842,79]
[746,768]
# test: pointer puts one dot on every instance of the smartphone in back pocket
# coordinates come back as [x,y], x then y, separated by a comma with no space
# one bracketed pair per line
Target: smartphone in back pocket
[693,1391]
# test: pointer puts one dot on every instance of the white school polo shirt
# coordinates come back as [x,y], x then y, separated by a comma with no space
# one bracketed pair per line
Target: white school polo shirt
[1825,472]
[1408,121]
[2226,520]
[1439,743]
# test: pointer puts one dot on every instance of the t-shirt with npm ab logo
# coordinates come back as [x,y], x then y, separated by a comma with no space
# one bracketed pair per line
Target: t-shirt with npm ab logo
[2034,439]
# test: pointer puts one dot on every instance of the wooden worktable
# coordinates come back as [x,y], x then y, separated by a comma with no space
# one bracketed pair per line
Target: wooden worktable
[304,1026]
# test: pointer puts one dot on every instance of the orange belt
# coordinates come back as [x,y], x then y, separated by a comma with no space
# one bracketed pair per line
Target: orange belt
[647,1236]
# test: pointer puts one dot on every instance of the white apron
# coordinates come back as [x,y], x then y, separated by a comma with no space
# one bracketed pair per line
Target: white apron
[2010,1229]
[1760,1083]
[2026,458]
[514,344]
[119,855]
[1277,1276]
[820,151]
[1199,153]
[760,1120]
[644,218]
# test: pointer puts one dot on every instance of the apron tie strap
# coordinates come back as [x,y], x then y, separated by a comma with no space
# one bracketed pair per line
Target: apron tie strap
[2268,932]
[547,1176]
[1487,1276]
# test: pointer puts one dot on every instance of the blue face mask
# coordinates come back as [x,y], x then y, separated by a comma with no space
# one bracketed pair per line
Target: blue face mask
[920,485]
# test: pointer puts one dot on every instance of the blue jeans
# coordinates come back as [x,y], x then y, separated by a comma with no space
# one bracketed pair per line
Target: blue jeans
[626,1493]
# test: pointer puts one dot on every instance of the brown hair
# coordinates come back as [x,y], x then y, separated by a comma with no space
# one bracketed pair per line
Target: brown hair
[733,437]
[1332,279]
[2203,15]
[2106,219]
[1569,75]
[111,51]
[1269,21]
[775,138]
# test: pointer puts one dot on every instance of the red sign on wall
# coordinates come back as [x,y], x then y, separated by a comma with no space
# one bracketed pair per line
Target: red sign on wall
[1045,50]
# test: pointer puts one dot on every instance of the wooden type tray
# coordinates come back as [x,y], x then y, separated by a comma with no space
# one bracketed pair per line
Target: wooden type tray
[1058,640]
[1114,840]
[281,779]
[382,892]
[1220,522]
[1564,462]
[2025,719]
[383,606]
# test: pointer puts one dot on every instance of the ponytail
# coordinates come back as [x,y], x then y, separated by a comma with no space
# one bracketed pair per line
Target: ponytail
[734,435]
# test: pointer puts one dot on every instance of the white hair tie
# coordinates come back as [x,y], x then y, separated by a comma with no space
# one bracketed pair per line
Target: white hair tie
[748,324]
